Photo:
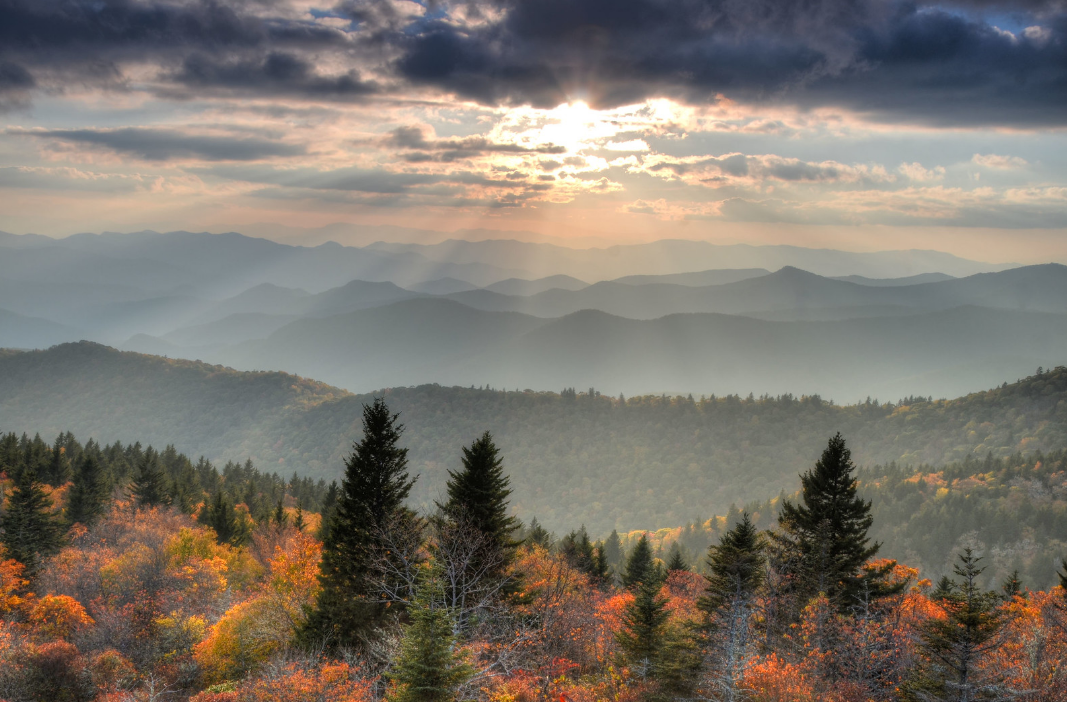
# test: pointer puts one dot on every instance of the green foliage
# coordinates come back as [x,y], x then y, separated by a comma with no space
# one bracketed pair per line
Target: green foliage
[428,667]
[588,459]
[149,487]
[89,496]
[29,529]
[478,499]
[640,566]
[586,556]
[735,567]
[824,536]
[220,515]
[372,495]
[643,634]
[953,648]
[677,561]
[537,534]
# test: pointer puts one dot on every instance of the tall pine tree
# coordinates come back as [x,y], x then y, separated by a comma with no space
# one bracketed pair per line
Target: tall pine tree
[149,487]
[221,516]
[478,499]
[88,499]
[371,501]
[30,531]
[824,537]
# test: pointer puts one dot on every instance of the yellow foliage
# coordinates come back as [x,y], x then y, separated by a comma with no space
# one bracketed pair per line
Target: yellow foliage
[246,637]
[58,616]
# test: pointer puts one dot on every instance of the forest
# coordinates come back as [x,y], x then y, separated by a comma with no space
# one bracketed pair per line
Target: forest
[131,574]
[575,456]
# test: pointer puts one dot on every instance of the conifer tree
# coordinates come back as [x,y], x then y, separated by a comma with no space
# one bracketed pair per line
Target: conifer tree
[149,487]
[943,589]
[954,648]
[329,506]
[280,518]
[640,566]
[538,535]
[676,561]
[1012,587]
[88,498]
[478,497]
[58,465]
[428,669]
[643,636]
[1063,578]
[735,574]
[298,520]
[221,516]
[613,550]
[825,534]
[30,531]
[371,500]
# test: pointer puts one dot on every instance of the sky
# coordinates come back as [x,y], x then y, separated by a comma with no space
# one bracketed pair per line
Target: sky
[853,124]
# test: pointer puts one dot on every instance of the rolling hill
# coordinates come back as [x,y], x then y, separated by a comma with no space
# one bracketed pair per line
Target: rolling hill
[647,462]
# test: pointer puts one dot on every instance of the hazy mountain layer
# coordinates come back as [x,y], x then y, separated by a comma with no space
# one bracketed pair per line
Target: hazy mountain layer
[645,463]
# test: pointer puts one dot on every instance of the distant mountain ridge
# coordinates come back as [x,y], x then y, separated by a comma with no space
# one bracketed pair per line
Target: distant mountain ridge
[572,459]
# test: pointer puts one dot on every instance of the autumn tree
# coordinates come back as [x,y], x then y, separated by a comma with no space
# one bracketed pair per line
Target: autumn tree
[824,535]
[955,647]
[371,501]
[735,574]
[428,667]
[88,499]
[149,487]
[30,530]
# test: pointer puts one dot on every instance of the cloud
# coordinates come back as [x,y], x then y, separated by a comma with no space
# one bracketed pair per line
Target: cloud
[153,144]
[446,150]
[1002,163]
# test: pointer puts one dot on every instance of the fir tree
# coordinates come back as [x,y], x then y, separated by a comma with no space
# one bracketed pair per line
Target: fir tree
[88,499]
[735,574]
[1012,587]
[642,638]
[538,535]
[478,497]
[613,550]
[30,531]
[676,561]
[58,465]
[280,518]
[371,500]
[953,648]
[825,535]
[149,487]
[944,588]
[221,516]
[640,566]
[427,668]
[298,520]
[329,506]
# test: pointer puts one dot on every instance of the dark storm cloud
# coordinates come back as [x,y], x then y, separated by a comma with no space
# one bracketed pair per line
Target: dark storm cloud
[167,144]
[896,60]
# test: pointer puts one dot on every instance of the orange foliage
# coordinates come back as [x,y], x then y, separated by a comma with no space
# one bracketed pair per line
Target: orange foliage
[772,679]
[682,590]
[11,584]
[58,616]
[335,682]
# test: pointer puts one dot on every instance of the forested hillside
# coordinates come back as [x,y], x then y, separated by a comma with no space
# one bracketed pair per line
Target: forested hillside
[574,458]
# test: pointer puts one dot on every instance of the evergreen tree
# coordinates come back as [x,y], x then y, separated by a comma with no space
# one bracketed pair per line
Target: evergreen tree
[30,531]
[58,465]
[88,498]
[298,521]
[825,535]
[329,506]
[280,518]
[538,535]
[1063,578]
[1012,587]
[221,516]
[371,500]
[943,589]
[735,574]
[954,648]
[149,487]
[676,561]
[427,668]
[478,498]
[642,638]
[640,566]
[613,550]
